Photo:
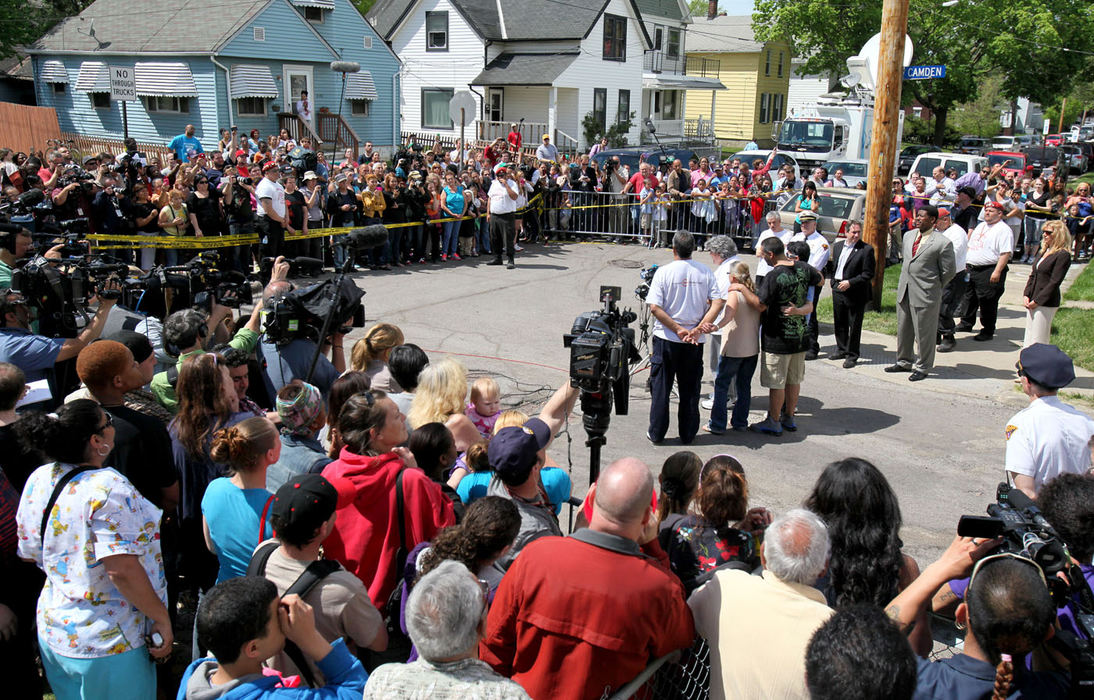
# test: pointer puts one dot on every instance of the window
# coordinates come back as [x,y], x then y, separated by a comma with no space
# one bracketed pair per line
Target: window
[780,64]
[600,107]
[359,107]
[259,33]
[58,88]
[368,42]
[251,106]
[435,108]
[672,49]
[670,100]
[615,38]
[658,37]
[313,14]
[767,62]
[917,112]
[178,105]
[494,103]
[436,31]
[99,100]
[765,108]
[777,108]
[623,108]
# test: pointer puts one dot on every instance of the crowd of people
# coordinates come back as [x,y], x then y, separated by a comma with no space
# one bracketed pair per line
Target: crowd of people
[299,521]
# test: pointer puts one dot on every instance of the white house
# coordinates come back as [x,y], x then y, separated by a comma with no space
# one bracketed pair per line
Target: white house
[805,90]
[544,65]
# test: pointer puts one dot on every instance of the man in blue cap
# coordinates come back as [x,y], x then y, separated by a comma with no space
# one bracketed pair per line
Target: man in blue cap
[1048,437]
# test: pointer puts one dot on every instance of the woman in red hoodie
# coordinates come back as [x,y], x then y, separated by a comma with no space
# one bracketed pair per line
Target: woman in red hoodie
[366,535]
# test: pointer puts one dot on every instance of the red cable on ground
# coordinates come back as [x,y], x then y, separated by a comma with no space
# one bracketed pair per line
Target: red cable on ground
[500,359]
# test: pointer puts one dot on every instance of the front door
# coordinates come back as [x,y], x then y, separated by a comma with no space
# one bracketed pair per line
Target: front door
[494,105]
[296,80]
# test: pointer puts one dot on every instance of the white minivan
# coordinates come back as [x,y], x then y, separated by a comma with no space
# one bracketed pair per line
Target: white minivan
[925,163]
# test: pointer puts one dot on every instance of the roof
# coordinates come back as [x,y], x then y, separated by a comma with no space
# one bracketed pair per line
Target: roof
[17,67]
[525,69]
[669,9]
[723,34]
[523,20]
[163,28]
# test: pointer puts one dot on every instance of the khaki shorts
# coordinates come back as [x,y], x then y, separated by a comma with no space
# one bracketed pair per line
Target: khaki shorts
[779,370]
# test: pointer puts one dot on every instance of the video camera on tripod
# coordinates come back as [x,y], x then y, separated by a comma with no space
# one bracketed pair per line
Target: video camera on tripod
[60,289]
[311,312]
[1016,519]
[601,351]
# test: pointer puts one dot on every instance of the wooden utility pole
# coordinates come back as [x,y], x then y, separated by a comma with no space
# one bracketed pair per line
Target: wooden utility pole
[885,142]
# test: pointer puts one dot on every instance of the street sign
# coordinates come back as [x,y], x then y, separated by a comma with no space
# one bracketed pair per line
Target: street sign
[924,72]
[462,100]
[1047,126]
[123,84]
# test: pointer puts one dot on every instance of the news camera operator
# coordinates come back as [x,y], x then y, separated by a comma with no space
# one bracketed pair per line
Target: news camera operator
[15,242]
[38,355]
[285,362]
[72,196]
[190,331]
[236,192]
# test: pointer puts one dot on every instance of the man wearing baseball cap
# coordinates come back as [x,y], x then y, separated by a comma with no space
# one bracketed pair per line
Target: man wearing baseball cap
[501,216]
[1048,437]
[271,210]
[302,515]
[991,244]
[955,290]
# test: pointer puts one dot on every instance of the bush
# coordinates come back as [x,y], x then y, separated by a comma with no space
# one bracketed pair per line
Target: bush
[917,130]
[593,130]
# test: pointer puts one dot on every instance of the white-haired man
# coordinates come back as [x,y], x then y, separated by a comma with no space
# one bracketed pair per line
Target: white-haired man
[758,627]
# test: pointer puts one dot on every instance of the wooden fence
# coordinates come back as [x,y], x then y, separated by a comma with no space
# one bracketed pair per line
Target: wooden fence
[90,145]
[25,128]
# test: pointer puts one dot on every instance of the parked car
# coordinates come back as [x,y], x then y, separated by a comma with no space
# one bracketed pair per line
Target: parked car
[1087,147]
[778,162]
[631,157]
[925,163]
[1076,160]
[1041,160]
[1054,139]
[837,207]
[972,145]
[1014,161]
[908,155]
[854,170]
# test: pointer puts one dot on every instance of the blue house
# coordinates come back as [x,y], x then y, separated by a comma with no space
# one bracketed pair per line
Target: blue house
[214,64]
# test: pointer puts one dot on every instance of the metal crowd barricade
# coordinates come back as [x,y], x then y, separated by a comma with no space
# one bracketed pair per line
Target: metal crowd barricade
[681,675]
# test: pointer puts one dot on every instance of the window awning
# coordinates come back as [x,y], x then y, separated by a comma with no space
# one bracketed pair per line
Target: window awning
[359,86]
[165,80]
[251,81]
[94,77]
[678,81]
[321,4]
[53,71]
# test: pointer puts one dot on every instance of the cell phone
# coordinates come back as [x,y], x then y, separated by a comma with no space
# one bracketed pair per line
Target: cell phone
[979,526]
[154,640]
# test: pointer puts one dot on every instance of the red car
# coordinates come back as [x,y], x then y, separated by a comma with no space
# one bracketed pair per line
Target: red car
[1014,162]
[1054,140]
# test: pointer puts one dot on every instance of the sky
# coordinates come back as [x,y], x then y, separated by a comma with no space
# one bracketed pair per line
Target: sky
[735,7]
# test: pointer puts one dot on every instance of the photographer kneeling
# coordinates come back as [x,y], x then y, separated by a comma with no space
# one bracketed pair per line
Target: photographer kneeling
[37,355]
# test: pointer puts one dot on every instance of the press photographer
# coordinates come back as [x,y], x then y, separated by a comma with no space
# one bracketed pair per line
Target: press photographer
[15,243]
[39,356]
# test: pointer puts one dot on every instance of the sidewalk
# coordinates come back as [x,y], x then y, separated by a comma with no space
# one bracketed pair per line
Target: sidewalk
[973,368]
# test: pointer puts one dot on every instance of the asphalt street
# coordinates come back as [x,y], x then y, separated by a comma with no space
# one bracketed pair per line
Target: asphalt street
[939,442]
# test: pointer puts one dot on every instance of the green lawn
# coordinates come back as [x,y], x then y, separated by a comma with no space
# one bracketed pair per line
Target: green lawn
[883,321]
[1085,177]
[1073,332]
[1082,289]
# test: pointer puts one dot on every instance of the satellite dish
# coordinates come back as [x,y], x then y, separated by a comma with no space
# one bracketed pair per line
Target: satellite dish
[863,68]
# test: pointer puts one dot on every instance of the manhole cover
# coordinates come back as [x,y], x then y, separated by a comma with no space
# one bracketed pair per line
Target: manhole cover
[628,264]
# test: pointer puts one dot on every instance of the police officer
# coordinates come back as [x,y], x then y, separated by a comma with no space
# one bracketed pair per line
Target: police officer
[684,301]
[1048,437]
[819,252]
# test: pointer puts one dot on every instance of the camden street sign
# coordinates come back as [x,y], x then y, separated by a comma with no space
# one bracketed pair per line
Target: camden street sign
[924,72]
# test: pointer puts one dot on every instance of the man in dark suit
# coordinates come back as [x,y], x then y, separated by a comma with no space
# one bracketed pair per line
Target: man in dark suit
[851,268]
[928,267]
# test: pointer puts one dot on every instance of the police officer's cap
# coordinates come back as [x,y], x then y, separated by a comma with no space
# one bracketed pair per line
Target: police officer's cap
[1046,365]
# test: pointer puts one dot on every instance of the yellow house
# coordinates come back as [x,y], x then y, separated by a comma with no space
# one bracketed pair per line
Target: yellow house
[756,75]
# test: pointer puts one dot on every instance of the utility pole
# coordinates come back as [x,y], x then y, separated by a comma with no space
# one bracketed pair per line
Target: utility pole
[884,144]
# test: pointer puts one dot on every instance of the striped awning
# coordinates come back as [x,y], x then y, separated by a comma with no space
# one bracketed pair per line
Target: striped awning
[251,81]
[165,80]
[94,77]
[359,86]
[53,71]
[321,4]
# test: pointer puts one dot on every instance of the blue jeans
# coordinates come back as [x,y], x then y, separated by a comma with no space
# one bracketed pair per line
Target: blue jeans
[450,241]
[738,370]
[482,237]
[338,251]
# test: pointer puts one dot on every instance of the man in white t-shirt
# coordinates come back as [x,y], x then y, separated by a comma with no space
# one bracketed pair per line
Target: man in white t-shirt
[271,220]
[991,244]
[683,299]
[955,290]
[774,229]
[723,251]
[1048,437]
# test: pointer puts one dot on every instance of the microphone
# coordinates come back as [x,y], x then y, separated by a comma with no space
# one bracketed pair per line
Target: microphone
[371,236]
[1021,501]
[345,66]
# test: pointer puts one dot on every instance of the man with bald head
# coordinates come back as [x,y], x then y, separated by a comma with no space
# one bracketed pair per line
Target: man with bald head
[580,616]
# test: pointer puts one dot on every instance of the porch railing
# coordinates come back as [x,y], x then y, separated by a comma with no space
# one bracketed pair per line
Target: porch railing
[657,61]
[334,129]
[702,67]
[90,145]
[531,132]
[298,128]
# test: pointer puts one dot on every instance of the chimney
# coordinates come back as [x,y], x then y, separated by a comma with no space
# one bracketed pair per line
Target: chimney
[712,9]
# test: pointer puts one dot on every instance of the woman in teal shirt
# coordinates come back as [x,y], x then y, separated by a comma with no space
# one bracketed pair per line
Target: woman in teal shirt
[453,204]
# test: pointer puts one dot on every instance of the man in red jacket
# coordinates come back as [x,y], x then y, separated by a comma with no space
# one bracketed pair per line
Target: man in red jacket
[581,616]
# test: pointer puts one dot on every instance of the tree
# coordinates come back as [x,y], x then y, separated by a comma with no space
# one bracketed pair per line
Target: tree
[698,8]
[974,39]
[981,116]
[25,23]
[592,129]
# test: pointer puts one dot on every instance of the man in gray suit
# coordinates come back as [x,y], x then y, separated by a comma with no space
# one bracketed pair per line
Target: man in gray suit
[928,267]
